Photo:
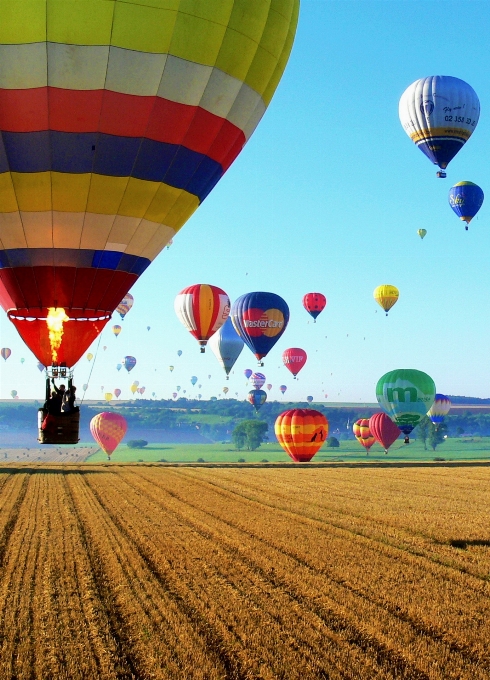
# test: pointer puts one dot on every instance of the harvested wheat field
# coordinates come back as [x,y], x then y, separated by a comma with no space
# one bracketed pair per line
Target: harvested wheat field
[155,572]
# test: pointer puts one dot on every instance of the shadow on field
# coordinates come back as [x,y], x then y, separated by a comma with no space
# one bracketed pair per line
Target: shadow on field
[47,470]
[463,544]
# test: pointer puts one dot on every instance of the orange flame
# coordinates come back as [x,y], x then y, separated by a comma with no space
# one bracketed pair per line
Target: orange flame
[54,321]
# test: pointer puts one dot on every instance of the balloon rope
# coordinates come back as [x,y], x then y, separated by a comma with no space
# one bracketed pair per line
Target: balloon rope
[91,369]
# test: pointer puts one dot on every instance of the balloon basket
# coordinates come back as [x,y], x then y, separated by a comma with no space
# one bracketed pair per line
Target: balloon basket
[61,429]
[441,174]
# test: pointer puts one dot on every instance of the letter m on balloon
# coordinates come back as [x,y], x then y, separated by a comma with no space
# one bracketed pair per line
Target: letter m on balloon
[400,393]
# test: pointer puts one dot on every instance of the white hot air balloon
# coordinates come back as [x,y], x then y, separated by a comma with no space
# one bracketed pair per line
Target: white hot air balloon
[226,345]
[439,114]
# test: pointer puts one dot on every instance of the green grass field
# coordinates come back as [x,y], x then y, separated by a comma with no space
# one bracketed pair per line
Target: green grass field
[476,448]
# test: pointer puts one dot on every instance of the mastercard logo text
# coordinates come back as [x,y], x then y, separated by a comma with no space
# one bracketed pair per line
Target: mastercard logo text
[259,322]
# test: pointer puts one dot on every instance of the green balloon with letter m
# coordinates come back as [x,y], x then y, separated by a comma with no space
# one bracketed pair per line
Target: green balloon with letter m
[405,395]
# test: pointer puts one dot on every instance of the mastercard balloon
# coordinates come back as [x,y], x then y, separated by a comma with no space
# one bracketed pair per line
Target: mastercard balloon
[301,432]
[260,319]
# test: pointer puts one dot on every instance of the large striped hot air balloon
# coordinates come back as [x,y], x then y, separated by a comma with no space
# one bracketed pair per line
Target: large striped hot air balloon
[202,309]
[108,429]
[117,120]
[363,434]
[301,432]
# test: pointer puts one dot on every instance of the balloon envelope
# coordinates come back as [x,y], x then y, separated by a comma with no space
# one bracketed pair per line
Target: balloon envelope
[108,396]
[439,114]
[119,366]
[260,319]
[257,398]
[405,395]
[314,303]
[247,373]
[226,345]
[125,305]
[386,296]
[422,233]
[108,429]
[294,359]
[363,434]
[202,309]
[120,117]
[309,399]
[439,409]
[13,394]
[301,432]
[466,199]
[283,388]
[117,392]
[194,380]
[90,356]
[129,363]
[116,330]
[5,352]
[384,430]
[258,380]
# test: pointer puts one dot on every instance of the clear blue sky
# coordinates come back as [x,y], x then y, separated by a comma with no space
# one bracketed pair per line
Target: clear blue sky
[328,196]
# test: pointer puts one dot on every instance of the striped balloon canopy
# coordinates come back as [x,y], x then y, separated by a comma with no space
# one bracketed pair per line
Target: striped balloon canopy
[301,432]
[117,120]
[108,429]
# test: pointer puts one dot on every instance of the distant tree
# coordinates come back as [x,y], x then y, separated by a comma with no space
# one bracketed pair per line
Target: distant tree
[437,437]
[137,443]
[333,443]
[459,431]
[423,430]
[249,433]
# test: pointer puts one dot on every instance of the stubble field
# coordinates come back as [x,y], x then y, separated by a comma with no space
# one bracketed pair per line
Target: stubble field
[153,572]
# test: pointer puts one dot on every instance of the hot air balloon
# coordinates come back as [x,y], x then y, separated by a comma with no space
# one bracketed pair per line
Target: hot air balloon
[363,434]
[174,395]
[136,382]
[133,388]
[41,366]
[269,387]
[384,430]
[439,114]
[283,388]
[85,387]
[5,352]
[405,395]
[13,394]
[202,309]
[309,399]
[199,396]
[22,361]
[314,303]
[294,359]
[129,363]
[260,319]
[118,119]
[178,388]
[225,390]
[301,432]
[148,328]
[209,377]
[116,330]
[108,429]
[439,409]
[199,386]
[326,396]
[142,389]
[422,233]
[226,345]
[466,199]
[247,373]
[125,305]
[90,356]
[170,368]
[257,398]
[194,380]
[119,366]
[108,396]
[386,296]
[102,388]
[257,380]
[117,392]
[104,348]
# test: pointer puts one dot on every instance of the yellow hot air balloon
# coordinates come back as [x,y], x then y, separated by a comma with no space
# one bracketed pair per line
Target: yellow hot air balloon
[134,388]
[90,356]
[386,296]
[108,396]
[422,232]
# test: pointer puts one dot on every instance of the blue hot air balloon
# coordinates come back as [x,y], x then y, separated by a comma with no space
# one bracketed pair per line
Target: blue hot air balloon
[194,380]
[466,199]
[119,366]
[260,319]
[257,398]
[129,363]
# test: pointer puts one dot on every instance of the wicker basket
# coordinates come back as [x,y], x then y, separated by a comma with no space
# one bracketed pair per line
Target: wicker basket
[64,431]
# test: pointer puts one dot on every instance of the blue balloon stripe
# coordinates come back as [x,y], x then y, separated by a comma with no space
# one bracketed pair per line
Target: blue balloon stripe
[77,153]
[71,257]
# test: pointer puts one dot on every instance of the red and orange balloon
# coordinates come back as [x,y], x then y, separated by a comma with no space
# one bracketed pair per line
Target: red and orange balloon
[301,432]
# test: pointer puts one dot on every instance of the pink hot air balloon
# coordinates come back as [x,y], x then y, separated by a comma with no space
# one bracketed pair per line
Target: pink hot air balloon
[117,392]
[5,352]
[174,395]
[269,386]
[108,429]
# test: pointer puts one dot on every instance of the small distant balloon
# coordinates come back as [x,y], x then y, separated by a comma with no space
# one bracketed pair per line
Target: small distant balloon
[134,388]
[269,386]
[283,388]
[116,330]
[148,328]
[247,373]
[466,199]
[178,388]
[194,380]
[125,305]
[13,394]
[104,348]
[257,380]
[85,387]
[309,399]
[174,395]
[171,368]
[422,233]
[119,366]
[225,390]
[22,361]
[5,352]
[257,398]
[179,353]
[117,392]
[108,396]
[90,356]
[314,303]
